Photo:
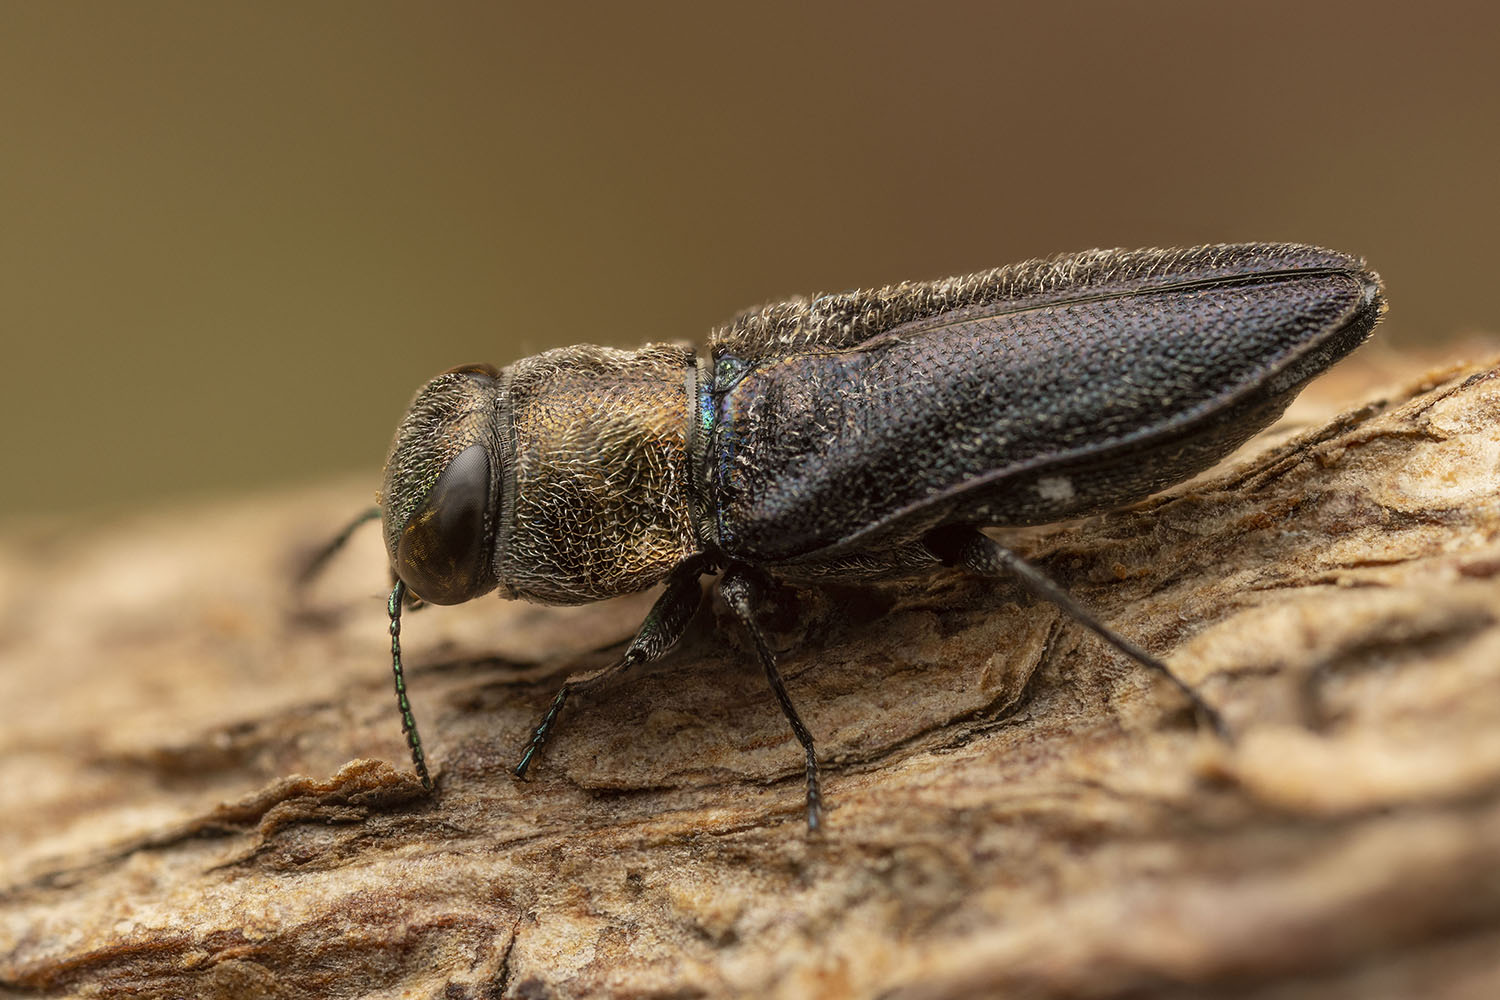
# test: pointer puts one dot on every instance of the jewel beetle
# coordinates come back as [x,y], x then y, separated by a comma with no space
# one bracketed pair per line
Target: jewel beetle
[859,435]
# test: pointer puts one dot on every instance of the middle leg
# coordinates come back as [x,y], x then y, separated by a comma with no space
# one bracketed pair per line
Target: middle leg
[743,590]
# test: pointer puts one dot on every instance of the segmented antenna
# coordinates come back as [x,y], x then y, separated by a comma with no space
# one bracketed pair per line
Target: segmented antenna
[408,721]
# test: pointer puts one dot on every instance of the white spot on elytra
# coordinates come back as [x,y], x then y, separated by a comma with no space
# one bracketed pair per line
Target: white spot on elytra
[1055,488]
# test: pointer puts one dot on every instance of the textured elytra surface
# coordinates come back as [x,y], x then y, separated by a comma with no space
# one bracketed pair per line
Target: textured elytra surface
[1015,811]
[1021,396]
[844,319]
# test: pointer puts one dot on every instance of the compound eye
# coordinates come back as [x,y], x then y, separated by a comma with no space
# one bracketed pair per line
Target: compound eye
[441,552]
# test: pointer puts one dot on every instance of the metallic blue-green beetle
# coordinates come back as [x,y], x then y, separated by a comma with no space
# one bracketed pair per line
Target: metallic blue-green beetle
[856,435]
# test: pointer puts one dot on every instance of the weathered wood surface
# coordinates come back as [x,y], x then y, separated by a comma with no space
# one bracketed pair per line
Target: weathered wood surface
[205,792]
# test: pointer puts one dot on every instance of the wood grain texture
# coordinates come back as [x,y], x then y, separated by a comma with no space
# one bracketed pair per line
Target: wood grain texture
[205,794]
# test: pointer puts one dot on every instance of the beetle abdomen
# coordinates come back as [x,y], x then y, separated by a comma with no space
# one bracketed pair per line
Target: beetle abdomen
[1017,397]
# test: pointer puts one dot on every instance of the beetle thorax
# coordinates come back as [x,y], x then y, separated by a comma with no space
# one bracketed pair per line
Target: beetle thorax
[596,497]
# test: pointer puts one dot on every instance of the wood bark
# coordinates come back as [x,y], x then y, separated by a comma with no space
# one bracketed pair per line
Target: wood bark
[205,792]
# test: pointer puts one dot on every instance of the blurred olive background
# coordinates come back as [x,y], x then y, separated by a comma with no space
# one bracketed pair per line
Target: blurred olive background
[237,236]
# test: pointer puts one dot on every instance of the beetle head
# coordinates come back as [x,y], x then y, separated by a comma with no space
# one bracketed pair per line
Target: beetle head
[442,481]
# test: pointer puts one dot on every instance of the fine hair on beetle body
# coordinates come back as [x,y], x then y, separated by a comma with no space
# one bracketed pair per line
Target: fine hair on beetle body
[855,436]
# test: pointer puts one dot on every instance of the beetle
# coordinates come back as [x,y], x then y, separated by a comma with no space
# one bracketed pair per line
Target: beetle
[857,435]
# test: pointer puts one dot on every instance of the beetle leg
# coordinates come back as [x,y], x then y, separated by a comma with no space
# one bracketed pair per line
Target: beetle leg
[664,625]
[320,558]
[978,553]
[742,589]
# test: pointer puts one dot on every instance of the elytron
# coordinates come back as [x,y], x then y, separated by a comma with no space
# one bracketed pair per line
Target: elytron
[859,435]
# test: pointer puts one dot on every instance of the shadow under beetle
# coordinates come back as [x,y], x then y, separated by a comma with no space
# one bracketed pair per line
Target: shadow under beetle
[859,435]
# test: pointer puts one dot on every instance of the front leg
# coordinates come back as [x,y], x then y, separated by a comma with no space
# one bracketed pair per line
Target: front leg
[664,625]
[742,588]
